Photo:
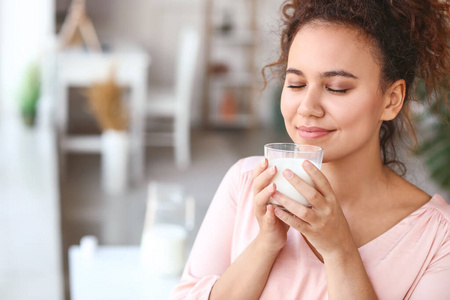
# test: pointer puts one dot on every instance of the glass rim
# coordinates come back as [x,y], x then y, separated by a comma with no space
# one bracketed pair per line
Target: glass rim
[317,148]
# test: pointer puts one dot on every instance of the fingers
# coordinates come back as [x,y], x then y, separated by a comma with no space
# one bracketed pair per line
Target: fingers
[262,189]
[320,197]
[309,192]
[271,219]
[262,165]
[262,175]
[320,181]
[291,220]
[300,211]
[318,194]
[261,198]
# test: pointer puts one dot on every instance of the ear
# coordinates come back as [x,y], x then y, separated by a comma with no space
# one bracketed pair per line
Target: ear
[393,100]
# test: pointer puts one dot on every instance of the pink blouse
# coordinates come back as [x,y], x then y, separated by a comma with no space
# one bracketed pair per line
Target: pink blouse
[409,261]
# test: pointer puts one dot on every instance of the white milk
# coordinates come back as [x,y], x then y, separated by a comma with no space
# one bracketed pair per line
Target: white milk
[294,164]
[163,249]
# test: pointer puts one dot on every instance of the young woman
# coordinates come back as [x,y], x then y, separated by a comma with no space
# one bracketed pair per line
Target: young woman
[350,67]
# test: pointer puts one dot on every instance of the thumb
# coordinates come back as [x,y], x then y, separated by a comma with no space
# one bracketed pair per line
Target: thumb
[270,215]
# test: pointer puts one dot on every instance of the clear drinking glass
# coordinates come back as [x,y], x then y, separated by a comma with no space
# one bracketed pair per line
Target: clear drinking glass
[169,218]
[291,156]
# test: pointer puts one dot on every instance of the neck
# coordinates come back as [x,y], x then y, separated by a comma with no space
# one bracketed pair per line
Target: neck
[358,177]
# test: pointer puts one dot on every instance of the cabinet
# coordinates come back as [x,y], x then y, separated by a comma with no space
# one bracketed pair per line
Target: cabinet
[230,81]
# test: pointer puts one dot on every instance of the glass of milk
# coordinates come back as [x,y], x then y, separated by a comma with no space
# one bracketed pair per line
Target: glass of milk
[291,156]
[169,217]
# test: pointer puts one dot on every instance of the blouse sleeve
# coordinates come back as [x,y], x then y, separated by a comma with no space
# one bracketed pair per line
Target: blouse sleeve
[435,283]
[211,253]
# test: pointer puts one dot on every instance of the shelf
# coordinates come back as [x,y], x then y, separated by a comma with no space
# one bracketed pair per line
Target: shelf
[242,38]
[238,121]
[230,69]
[231,80]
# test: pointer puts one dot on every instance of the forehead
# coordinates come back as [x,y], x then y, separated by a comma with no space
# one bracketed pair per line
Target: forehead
[325,46]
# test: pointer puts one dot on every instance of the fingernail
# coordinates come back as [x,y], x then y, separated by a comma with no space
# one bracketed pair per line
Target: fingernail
[288,174]
[263,162]
[276,195]
[278,212]
[307,165]
[273,170]
[272,187]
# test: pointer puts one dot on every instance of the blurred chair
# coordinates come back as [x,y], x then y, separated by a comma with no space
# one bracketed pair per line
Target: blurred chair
[76,68]
[175,103]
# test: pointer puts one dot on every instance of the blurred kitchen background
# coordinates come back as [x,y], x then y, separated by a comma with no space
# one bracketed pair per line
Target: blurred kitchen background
[118,120]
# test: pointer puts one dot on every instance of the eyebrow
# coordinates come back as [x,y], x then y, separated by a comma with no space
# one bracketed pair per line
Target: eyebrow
[327,74]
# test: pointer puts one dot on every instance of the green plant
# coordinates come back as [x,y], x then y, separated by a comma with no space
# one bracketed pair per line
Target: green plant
[435,147]
[29,93]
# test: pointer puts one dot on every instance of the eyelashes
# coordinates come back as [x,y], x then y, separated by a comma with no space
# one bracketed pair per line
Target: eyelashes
[298,87]
[338,91]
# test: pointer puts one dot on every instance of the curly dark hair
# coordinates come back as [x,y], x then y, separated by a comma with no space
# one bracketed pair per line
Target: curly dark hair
[410,39]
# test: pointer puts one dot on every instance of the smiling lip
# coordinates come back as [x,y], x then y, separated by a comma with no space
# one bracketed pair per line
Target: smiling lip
[309,133]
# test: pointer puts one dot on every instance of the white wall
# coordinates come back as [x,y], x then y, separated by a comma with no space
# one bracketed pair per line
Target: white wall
[25,27]
[1,61]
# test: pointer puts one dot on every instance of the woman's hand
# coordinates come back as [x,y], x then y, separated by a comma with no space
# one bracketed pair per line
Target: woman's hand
[272,232]
[324,224]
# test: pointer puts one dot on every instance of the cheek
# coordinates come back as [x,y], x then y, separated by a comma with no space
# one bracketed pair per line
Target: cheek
[362,116]
[288,106]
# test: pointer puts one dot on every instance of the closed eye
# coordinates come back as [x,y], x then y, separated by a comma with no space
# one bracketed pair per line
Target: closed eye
[338,91]
[296,87]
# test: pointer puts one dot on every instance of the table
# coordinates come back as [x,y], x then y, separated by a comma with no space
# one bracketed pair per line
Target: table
[114,272]
[76,67]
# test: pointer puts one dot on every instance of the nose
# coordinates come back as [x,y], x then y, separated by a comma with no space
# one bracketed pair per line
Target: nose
[310,105]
